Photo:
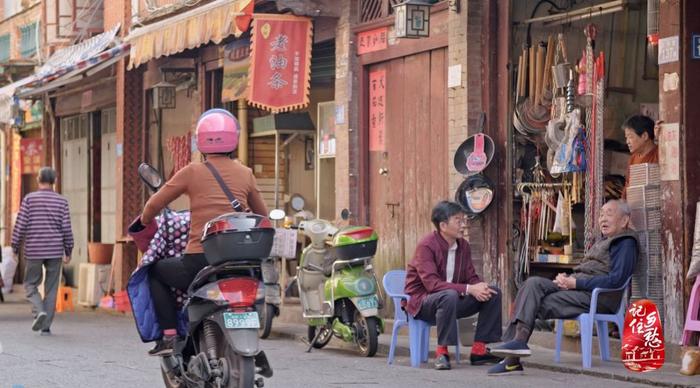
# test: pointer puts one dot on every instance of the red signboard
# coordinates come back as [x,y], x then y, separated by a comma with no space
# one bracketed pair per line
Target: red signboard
[31,150]
[643,337]
[15,173]
[373,40]
[377,110]
[281,62]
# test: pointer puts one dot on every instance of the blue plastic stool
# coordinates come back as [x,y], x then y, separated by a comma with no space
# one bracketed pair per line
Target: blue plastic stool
[586,321]
[418,330]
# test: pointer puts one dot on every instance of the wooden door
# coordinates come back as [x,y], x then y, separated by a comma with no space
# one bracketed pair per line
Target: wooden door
[414,164]
[74,183]
[108,189]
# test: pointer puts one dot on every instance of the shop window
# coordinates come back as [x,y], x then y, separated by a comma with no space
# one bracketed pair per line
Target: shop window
[371,10]
[323,63]
[109,121]
[28,40]
[4,47]
[74,127]
[213,84]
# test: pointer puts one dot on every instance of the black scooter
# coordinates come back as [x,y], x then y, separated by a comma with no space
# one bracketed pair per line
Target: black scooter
[222,304]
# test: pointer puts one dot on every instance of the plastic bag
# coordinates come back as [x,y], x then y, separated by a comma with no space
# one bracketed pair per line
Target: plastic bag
[8,266]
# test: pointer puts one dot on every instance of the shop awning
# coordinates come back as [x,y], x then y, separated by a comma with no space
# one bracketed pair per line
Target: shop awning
[66,63]
[74,72]
[7,96]
[207,23]
[62,60]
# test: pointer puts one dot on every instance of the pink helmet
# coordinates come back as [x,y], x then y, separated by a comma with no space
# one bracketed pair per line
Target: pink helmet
[217,132]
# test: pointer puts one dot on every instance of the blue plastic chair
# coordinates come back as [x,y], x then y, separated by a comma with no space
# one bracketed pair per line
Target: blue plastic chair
[586,321]
[418,330]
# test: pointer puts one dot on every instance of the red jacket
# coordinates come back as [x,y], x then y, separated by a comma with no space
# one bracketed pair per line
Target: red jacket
[427,271]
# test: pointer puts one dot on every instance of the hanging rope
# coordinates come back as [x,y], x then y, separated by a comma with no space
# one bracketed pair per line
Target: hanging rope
[599,135]
[591,135]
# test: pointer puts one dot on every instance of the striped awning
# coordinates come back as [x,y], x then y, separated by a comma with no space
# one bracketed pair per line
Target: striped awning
[74,72]
[68,62]
[211,22]
[69,56]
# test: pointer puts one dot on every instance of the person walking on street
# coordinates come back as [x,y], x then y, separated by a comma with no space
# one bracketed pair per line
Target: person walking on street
[43,225]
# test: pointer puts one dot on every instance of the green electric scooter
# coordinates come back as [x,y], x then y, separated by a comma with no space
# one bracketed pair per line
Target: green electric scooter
[338,287]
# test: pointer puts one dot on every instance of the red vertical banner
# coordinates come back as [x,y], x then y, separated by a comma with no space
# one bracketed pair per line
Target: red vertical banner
[31,150]
[15,173]
[377,110]
[280,67]
[643,337]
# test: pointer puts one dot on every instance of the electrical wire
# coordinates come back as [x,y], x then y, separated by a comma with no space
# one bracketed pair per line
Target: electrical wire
[528,39]
[82,32]
[78,17]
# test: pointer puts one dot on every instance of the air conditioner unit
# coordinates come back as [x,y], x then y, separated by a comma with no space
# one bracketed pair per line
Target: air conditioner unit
[93,283]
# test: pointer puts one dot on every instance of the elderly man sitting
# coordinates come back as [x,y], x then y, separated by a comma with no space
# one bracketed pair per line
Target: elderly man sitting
[608,264]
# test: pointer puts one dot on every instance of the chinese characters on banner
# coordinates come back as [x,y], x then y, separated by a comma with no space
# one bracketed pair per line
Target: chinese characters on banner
[377,110]
[643,337]
[281,60]
[373,40]
[16,174]
[31,150]
[669,152]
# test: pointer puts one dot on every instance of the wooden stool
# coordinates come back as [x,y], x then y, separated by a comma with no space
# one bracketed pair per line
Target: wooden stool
[64,300]
[691,319]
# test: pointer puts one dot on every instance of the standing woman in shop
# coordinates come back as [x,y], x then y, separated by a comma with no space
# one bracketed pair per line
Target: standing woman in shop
[639,136]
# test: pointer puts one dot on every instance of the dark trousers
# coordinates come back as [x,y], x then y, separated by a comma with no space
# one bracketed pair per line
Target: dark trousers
[540,298]
[178,272]
[444,307]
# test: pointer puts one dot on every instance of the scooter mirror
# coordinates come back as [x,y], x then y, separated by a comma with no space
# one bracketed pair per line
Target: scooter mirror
[150,176]
[297,202]
[345,214]
[277,214]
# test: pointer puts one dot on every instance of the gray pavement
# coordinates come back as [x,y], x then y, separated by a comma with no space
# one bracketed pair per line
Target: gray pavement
[98,349]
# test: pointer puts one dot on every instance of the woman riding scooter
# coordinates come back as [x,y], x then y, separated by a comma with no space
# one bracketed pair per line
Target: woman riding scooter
[217,138]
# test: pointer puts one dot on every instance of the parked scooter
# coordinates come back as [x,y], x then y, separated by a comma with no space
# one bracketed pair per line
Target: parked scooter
[218,344]
[338,287]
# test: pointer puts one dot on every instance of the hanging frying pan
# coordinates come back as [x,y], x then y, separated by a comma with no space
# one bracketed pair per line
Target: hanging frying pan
[475,153]
[475,194]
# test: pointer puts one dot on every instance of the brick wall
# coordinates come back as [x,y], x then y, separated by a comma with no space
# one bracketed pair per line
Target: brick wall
[464,102]
[117,11]
[347,94]
[129,123]
[12,25]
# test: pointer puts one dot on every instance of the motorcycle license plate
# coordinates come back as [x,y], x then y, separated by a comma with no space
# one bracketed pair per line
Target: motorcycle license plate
[368,302]
[247,320]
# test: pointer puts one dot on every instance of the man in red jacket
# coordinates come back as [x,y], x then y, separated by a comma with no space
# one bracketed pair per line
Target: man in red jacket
[444,286]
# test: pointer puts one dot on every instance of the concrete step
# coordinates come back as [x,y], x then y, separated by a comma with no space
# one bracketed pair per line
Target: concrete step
[542,358]
[290,312]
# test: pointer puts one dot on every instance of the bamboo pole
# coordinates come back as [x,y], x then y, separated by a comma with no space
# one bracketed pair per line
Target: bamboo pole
[531,78]
[243,136]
